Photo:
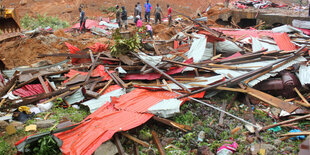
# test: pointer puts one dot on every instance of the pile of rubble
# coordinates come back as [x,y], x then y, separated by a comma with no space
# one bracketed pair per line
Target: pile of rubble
[187,62]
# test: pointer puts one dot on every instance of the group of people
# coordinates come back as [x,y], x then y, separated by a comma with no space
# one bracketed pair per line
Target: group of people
[121,14]
[157,12]
[122,18]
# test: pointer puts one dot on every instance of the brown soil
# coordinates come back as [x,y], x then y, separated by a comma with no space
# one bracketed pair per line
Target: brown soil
[25,51]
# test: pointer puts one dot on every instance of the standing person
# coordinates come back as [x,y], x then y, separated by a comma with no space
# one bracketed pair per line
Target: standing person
[169,14]
[309,7]
[118,16]
[158,13]
[82,19]
[148,8]
[124,18]
[139,23]
[136,13]
[226,3]
[149,30]
[140,9]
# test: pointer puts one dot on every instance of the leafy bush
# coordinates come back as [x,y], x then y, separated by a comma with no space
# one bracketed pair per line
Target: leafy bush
[4,146]
[108,10]
[28,22]
[123,45]
[45,145]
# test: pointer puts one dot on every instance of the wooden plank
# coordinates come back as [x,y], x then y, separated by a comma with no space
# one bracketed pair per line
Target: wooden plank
[119,145]
[297,133]
[3,100]
[156,140]
[301,96]
[271,100]
[43,84]
[106,87]
[163,73]
[145,144]
[285,122]
[182,127]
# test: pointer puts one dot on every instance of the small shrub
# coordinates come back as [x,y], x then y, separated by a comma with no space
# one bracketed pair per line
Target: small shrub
[43,21]
[123,45]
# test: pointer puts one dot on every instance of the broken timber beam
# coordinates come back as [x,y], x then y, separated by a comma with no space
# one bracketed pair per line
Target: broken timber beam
[284,122]
[145,144]
[184,128]
[156,140]
[240,78]
[163,73]
[119,145]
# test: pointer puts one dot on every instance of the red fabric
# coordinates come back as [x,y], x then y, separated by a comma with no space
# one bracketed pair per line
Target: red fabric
[240,6]
[99,71]
[122,114]
[72,50]
[89,24]
[175,44]
[99,47]
[284,42]
[29,90]
[153,76]
[169,11]
[210,38]
[305,31]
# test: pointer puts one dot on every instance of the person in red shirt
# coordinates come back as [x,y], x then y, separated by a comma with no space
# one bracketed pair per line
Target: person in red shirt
[169,15]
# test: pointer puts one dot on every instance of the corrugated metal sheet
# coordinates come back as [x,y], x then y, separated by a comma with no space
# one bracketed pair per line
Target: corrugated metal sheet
[304,74]
[95,104]
[284,42]
[236,73]
[121,114]
[29,90]
[245,33]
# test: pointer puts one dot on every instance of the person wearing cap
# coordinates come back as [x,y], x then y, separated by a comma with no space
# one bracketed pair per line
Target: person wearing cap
[158,13]
[148,8]
[118,16]
[124,18]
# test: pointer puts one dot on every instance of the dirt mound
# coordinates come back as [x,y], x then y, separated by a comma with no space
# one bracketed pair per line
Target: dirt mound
[25,51]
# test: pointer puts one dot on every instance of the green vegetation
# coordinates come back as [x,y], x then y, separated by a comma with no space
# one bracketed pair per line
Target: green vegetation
[28,22]
[108,10]
[45,145]
[4,146]
[122,45]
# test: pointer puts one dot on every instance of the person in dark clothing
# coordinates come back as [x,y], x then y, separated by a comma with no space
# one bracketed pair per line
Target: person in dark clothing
[124,18]
[148,8]
[158,13]
[118,16]
[136,13]
[139,9]
[82,20]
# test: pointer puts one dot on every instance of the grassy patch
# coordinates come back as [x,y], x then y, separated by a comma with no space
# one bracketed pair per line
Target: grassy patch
[4,146]
[43,21]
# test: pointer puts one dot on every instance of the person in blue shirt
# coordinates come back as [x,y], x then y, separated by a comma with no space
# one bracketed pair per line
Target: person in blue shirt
[148,8]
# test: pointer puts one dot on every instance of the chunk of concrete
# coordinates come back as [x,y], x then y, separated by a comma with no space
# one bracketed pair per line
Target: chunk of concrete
[107,148]
[3,124]
[45,123]
[17,125]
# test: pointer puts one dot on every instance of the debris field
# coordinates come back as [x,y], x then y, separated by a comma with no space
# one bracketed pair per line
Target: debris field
[117,91]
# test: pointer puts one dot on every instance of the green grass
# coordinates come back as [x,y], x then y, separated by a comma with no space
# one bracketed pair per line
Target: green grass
[43,21]
[4,146]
